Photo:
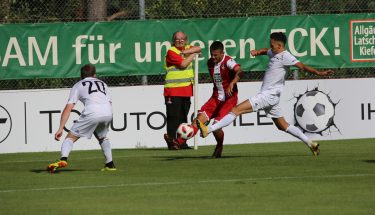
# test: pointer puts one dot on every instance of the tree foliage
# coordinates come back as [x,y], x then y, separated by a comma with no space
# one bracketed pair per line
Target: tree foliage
[32,11]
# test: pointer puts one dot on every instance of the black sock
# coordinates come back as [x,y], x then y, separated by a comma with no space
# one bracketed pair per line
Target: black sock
[64,159]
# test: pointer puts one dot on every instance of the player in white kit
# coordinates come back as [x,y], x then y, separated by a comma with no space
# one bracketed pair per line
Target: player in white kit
[269,96]
[95,118]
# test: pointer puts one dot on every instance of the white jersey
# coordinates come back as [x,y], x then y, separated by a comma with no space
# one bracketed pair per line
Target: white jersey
[94,94]
[274,77]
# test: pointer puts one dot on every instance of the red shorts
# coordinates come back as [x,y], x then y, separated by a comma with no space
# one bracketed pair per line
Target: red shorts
[216,109]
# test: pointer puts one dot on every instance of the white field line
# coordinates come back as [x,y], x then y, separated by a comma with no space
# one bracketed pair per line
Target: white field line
[188,182]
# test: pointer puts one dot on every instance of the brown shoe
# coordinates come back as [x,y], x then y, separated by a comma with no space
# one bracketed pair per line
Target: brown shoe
[172,144]
[175,145]
[217,152]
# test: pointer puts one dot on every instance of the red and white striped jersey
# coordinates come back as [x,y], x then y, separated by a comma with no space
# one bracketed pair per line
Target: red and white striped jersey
[222,74]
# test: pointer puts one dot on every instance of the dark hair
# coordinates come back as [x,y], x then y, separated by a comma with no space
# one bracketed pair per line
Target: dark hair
[279,36]
[217,45]
[88,70]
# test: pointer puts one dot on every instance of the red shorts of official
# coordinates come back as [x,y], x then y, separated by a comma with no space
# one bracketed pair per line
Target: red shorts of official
[216,109]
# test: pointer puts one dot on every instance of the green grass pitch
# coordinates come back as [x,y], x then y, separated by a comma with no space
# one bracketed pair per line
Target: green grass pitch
[277,178]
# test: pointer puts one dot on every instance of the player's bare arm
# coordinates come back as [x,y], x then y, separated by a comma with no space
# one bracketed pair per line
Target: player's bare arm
[259,52]
[238,75]
[314,71]
[64,118]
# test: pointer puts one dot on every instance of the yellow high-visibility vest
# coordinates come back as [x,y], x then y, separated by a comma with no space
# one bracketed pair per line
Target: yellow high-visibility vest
[176,77]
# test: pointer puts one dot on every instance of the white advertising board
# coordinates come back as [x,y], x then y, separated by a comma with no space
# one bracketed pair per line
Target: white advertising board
[29,118]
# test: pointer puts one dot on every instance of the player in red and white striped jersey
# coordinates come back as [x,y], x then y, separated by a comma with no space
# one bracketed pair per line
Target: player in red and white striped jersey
[225,74]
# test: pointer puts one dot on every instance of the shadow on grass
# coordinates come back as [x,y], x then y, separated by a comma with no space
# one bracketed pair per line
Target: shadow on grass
[156,149]
[208,157]
[166,149]
[205,157]
[145,149]
[57,172]
[369,161]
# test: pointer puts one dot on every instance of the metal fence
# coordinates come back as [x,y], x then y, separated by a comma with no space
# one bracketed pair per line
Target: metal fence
[41,11]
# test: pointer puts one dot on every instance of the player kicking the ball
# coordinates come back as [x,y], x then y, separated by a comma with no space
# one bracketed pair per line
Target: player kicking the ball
[95,118]
[269,96]
[225,74]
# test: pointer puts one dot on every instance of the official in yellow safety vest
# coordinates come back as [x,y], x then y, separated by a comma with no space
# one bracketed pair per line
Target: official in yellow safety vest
[178,87]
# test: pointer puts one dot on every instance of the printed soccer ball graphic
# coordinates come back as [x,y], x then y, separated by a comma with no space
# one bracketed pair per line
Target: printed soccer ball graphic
[185,131]
[314,111]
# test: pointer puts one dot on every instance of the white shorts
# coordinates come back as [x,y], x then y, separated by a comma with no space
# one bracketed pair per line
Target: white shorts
[85,126]
[269,102]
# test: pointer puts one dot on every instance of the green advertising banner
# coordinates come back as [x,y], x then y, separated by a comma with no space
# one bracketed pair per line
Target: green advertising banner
[138,47]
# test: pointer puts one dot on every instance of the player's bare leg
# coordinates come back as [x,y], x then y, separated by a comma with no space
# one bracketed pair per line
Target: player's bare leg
[219,137]
[283,125]
[244,107]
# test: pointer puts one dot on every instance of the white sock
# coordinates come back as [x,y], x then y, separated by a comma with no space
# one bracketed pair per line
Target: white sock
[293,130]
[66,147]
[225,121]
[106,149]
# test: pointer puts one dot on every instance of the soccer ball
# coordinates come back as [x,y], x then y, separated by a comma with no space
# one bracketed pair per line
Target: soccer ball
[314,111]
[185,131]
